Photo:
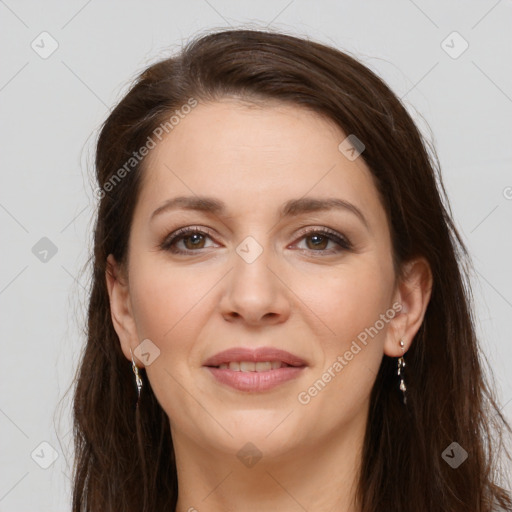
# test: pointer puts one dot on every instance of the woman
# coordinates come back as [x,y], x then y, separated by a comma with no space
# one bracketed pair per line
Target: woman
[280,318]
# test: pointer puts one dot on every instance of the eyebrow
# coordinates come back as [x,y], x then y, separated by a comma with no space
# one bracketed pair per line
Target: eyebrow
[291,208]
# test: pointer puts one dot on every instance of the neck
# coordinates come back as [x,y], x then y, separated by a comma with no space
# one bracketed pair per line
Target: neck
[322,476]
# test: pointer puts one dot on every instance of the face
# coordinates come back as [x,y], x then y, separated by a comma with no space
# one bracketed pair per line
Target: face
[267,269]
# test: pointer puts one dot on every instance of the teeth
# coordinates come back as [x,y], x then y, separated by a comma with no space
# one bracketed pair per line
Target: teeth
[246,366]
[263,366]
[251,366]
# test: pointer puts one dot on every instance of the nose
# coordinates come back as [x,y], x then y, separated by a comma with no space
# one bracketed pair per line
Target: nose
[255,293]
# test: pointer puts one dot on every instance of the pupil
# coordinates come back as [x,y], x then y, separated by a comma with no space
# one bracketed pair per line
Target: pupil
[196,237]
[319,238]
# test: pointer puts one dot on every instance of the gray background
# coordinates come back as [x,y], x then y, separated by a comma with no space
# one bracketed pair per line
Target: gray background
[52,107]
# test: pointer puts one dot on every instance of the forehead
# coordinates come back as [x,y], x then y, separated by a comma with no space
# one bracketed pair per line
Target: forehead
[253,156]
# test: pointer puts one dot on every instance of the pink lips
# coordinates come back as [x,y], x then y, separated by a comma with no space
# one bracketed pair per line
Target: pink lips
[253,380]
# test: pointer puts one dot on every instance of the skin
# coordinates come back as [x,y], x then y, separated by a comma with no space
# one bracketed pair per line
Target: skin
[312,299]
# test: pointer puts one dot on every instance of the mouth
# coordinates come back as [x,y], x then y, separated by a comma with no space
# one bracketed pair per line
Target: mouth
[251,366]
[254,359]
[254,370]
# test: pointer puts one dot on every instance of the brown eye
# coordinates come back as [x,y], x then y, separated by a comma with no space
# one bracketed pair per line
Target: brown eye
[196,241]
[318,241]
[191,239]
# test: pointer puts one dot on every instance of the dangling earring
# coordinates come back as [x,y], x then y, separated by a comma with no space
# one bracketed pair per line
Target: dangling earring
[400,371]
[138,380]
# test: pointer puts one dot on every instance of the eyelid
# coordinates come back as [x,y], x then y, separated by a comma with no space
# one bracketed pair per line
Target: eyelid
[184,232]
[343,243]
[340,239]
[322,229]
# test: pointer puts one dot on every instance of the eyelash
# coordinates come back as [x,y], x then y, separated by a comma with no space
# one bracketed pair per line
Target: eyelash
[170,241]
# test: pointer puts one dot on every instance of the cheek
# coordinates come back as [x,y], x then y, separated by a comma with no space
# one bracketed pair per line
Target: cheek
[349,304]
[347,299]
[165,299]
[167,305]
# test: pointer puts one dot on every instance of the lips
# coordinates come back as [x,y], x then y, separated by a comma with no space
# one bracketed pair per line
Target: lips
[254,355]
[254,370]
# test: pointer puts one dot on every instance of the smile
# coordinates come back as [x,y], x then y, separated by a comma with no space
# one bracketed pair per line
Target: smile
[254,369]
[251,366]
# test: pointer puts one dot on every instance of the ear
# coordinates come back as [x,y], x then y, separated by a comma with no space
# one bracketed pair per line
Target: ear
[413,293]
[121,308]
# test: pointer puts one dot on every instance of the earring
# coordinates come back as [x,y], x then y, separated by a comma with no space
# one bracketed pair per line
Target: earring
[400,371]
[138,380]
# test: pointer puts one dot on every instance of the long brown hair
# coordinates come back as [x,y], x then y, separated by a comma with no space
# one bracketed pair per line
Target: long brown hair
[124,458]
